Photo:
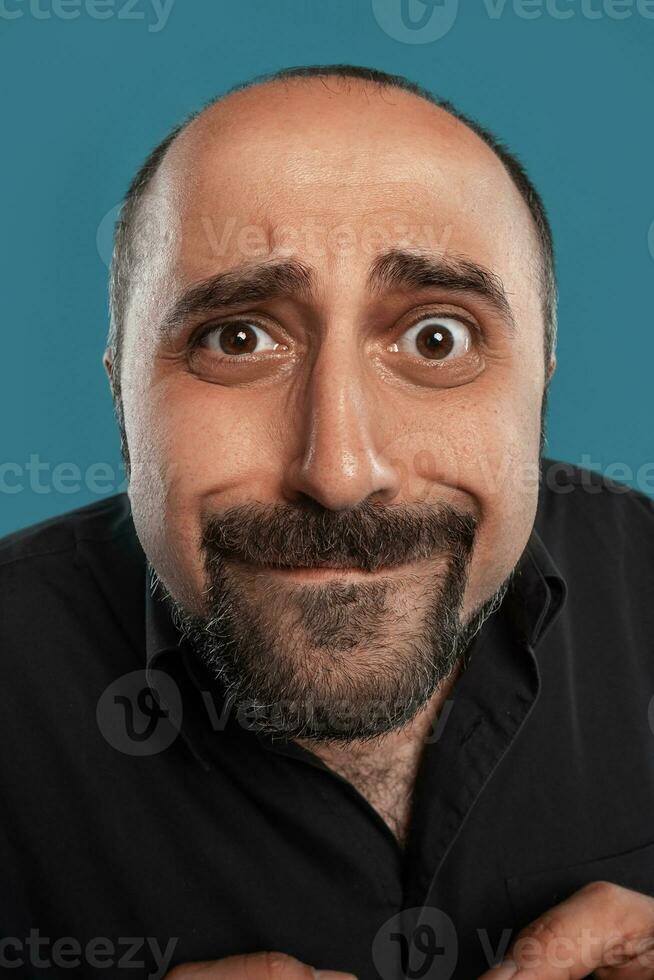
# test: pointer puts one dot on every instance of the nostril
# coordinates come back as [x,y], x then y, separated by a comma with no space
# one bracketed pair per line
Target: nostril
[339,479]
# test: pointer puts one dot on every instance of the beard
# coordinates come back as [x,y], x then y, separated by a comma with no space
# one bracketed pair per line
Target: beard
[333,659]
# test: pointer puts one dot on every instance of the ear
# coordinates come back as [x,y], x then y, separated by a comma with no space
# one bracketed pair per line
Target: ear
[109,368]
[551,369]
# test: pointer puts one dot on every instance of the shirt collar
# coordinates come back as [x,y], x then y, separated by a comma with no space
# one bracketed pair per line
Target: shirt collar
[161,633]
[166,651]
[538,592]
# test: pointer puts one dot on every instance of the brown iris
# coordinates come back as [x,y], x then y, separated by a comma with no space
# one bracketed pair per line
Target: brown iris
[238,338]
[435,342]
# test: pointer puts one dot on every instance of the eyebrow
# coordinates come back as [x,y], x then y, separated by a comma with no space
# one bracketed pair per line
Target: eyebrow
[401,269]
[395,269]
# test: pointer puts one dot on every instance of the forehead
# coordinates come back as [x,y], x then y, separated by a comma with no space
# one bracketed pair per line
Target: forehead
[329,173]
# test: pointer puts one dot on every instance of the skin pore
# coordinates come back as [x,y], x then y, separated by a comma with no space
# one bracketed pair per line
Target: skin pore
[389,356]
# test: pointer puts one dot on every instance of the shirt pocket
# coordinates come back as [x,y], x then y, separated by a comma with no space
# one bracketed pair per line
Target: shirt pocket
[534,893]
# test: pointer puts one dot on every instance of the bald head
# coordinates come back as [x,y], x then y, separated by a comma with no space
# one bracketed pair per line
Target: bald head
[330,132]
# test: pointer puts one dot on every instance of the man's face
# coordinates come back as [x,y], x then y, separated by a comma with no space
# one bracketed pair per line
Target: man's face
[373,400]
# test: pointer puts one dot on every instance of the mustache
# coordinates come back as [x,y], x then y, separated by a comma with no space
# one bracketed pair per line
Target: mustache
[367,537]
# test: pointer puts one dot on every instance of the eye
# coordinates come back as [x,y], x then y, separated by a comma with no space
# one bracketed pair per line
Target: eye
[436,338]
[238,337]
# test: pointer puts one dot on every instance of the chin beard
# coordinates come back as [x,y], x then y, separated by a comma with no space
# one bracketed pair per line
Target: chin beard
[335,661]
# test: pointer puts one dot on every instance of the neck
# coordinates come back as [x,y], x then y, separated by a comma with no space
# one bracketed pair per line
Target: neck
[384,769]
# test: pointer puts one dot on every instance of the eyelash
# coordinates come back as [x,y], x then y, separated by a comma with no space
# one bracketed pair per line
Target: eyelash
[474,327]
[203,331]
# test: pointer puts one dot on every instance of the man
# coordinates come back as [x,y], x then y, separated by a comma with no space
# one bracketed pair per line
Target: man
[353,678]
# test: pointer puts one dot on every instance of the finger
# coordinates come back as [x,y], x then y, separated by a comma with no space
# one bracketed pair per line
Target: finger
[254,966]
[601,925]
[638,964]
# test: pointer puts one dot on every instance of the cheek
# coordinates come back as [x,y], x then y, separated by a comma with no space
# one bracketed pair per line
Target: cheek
[482,441]
[189,442]
[501,462]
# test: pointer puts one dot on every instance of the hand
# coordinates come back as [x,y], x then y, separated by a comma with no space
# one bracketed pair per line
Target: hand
[602,928]
[253,966]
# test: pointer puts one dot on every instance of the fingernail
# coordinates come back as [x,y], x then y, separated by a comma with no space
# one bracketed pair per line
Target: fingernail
[333,975]
[504,970]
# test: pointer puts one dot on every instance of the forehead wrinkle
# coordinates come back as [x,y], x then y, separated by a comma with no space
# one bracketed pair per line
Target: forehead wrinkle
[393,269]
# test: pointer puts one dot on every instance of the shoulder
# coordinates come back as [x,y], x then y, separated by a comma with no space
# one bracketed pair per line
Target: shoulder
[577,505]
[72,594]
[71,581]
[600,534]
[61,535]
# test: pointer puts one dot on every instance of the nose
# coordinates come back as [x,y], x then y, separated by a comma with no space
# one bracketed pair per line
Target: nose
[340,430]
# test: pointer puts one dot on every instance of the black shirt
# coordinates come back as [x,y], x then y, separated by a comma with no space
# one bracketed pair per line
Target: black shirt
[121,836]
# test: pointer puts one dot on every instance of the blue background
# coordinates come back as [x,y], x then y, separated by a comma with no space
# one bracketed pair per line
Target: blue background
[89,97]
